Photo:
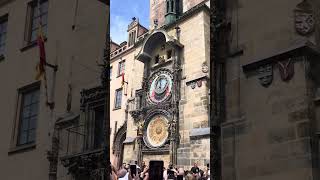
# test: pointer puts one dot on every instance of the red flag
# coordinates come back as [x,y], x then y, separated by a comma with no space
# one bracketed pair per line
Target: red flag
[42,53]
[122,82]
[42,63]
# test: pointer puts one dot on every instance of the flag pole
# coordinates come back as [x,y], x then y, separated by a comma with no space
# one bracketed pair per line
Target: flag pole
[43,62]
[52,154]
[40,37]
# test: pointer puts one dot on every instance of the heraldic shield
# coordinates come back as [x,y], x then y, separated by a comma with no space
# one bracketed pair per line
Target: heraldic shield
[304,20]
[265,75]
[286,69]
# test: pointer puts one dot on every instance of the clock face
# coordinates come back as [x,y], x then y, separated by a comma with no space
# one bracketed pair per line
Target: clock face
[160,87]
[157,131]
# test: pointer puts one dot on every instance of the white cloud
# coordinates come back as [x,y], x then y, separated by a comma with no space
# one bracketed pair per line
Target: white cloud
[118,29]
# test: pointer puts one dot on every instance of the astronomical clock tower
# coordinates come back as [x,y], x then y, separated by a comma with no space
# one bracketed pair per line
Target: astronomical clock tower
[157,114]
[167,113]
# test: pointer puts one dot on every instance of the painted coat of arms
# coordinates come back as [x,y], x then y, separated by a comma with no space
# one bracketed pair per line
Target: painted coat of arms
[265,75]
[286,69]
[304,20]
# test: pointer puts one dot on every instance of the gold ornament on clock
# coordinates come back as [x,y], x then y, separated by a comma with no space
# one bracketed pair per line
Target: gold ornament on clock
[157,131]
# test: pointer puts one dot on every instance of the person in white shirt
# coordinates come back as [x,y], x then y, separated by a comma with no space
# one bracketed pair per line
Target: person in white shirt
[123,174]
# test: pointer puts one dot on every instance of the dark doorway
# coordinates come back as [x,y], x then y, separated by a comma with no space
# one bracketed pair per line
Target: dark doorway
[118,145]
[120,161]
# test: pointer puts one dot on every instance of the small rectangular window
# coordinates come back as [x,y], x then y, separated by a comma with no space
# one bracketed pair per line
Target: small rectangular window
[121,67]
[29,110]
[118,98]
[35,14]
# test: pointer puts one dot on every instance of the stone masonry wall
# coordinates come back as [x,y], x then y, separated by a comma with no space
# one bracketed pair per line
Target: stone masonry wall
[267,130]
[194,102]
[273,138]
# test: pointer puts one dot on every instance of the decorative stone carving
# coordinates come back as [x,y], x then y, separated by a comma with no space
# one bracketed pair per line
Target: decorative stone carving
[155,23]
[84,164]
[140,129]
[286,69]
[205,67]
[161,59]
[94,97]
[135,114]
[199,82]
[265,75]
[304,20]
[193,85]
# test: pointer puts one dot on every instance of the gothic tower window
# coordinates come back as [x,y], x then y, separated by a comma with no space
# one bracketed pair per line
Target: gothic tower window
[173,9]
[134,36]
[129,44]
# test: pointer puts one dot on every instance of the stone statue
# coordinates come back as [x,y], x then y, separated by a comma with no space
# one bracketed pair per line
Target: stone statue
[140,129]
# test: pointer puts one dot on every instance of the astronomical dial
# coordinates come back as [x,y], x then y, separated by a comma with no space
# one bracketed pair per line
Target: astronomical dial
[160,87]
[157,131]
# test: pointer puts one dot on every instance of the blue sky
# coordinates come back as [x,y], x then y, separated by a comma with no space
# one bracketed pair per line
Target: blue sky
[121,14]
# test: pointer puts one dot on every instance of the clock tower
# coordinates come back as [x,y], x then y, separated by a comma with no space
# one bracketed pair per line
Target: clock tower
[159,97]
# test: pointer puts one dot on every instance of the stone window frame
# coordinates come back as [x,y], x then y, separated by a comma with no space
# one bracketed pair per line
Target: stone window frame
[30,27]
[14,145]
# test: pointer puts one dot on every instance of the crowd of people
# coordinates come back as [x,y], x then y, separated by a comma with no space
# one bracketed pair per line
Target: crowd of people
[125,172]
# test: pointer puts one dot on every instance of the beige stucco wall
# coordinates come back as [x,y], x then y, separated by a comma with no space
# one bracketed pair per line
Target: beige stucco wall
[86,44]
[133,75]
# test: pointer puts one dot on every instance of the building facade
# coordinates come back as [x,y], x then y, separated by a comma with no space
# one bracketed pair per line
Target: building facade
[32,142]
[163,112]
[271,124]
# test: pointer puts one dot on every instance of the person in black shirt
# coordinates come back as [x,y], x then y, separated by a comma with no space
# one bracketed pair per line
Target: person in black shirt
[195,170]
